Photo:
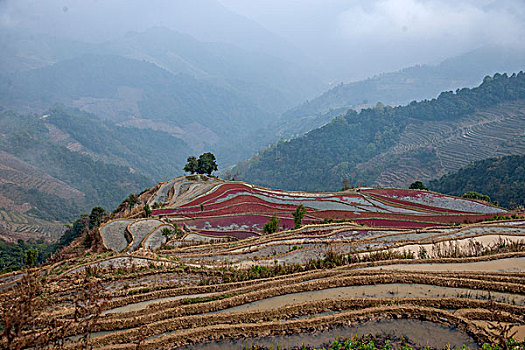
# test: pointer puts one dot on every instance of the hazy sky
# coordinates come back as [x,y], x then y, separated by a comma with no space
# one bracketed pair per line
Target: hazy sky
[382,35]
[350,39]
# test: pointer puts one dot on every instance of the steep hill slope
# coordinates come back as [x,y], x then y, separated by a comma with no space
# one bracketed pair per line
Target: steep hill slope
[398,88]
[502,179]
[33,205]
[137,149]
[95,162]
[394,146]
[429,149]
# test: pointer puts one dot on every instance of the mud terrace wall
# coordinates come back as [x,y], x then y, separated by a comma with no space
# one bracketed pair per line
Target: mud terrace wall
[173,309]
[261,329]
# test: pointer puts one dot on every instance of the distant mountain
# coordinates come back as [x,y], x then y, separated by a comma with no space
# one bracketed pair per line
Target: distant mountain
[393,146]
[269,82]
[502,179]
[398,88]
[94,22]
[139,94]
[21,50]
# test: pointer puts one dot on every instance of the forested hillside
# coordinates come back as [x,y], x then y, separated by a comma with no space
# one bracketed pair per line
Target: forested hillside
[378,145]
[92,155]
[502,179]
[394,88]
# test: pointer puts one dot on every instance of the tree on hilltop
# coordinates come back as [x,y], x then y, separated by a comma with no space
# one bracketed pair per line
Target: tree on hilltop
[192,165]
[206,164]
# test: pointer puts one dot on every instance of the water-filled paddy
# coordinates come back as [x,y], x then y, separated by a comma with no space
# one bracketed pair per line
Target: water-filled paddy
[418,333]
[501,265]
[393,290]
[144,304]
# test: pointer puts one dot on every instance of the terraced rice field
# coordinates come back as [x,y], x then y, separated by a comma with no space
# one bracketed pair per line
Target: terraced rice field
[213,207]
[114,234]
[209,288]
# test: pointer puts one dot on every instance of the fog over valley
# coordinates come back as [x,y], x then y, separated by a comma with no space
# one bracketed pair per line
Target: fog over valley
[348,40]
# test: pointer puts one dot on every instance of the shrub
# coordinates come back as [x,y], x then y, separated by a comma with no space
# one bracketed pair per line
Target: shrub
[147,210]
[167,232]
[272,225]
[298,216]
[476,195]
[418,185]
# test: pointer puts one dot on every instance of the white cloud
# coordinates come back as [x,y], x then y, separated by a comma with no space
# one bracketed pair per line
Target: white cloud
[447,24]
[358,38]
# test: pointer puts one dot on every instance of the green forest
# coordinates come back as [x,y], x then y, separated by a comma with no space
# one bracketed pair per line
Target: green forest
[324,157]
[502,179]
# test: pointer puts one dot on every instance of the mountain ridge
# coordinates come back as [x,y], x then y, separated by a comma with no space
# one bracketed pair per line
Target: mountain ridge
[401,87]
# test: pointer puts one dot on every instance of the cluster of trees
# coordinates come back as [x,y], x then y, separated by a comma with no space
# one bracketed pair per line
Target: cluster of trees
[298,216]
[476,195]
[324,156]
[500,179]
[206,164]
[418,185]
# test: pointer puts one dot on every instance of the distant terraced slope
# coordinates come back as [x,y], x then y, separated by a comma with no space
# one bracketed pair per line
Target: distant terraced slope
[385,146]
[443,147]
[52,170]
[24,213]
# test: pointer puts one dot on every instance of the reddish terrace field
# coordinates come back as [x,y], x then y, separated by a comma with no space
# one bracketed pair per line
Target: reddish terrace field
[216,207]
